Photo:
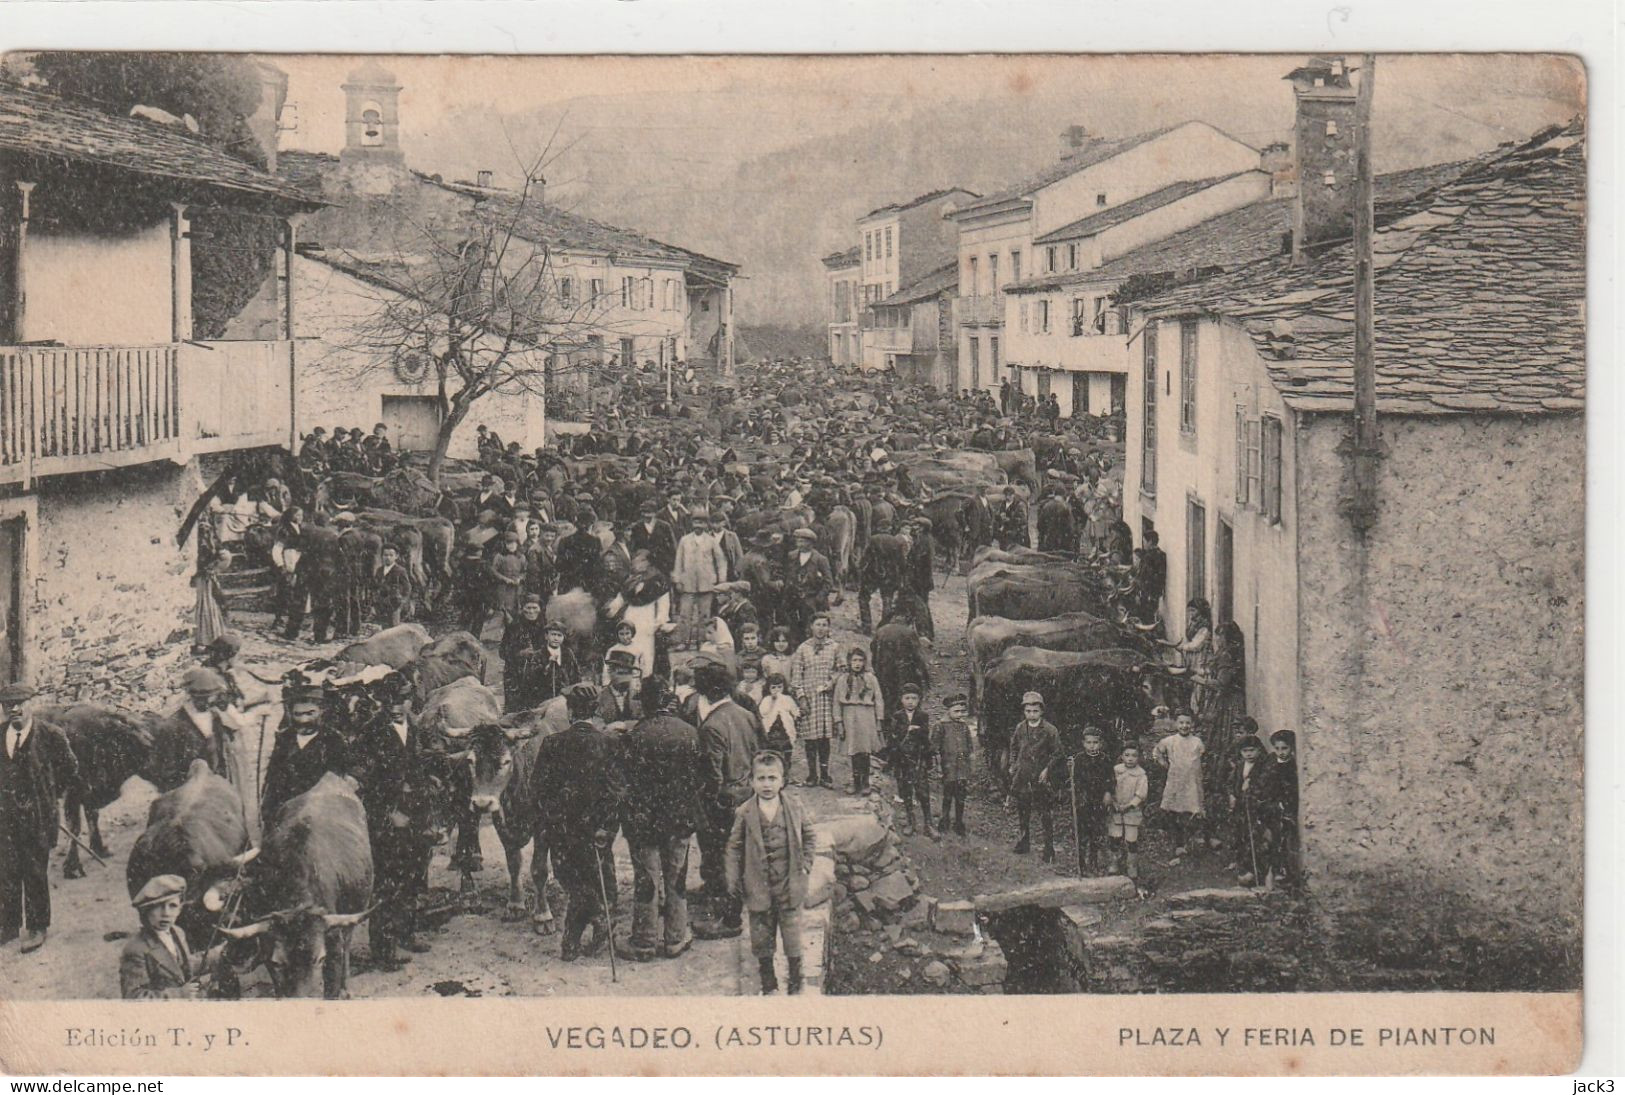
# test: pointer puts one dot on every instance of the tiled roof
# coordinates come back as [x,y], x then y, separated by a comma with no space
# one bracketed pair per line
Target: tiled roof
[1480,291]
[897,207]
[542,223]
[1145,203]
[35,123]
[1240,236]
[942,279]
[304,170]
[840,260]
[1095,152]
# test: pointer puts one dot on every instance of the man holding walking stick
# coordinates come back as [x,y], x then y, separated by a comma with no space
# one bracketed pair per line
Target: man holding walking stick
[1089,775]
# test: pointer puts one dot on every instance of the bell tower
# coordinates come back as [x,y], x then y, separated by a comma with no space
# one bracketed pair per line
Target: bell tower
[372,117]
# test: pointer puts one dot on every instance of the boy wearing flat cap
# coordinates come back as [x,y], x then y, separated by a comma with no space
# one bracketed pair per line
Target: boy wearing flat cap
[156,963]
[36,764]
[1033,747]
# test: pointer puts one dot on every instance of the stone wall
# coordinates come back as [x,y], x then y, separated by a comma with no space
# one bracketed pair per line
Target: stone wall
[110,596]
[1441,740]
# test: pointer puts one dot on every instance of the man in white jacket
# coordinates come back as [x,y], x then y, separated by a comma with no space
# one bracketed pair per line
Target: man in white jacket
[701,566]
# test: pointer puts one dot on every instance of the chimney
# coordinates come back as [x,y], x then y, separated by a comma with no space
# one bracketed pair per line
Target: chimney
[1276,161]
[1073,139]
[266,121]
[483,178]
[1323,143]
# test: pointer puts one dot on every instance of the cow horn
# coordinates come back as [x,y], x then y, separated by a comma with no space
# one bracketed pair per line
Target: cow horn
[460,732]
[246,931]
[242,859]
[517,734]
[347,920]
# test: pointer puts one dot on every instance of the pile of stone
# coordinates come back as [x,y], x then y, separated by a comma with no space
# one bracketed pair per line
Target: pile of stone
[876,900]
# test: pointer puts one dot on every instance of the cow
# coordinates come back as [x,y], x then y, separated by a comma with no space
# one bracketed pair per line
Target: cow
[839,534]
[425,543]
[450,715]
[1033,592]
[449,658]
[949,526]
[1020,465]
[405,491]
[1081,688]
[110,748]
[311,886]
[986,637]
[500,759]
[362,549]
[396,647]
[198,831]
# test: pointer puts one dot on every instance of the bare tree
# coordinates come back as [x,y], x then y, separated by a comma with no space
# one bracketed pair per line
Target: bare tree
[480,301]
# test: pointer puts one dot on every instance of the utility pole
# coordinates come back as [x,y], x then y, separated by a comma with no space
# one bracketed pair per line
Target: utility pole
[1363,511]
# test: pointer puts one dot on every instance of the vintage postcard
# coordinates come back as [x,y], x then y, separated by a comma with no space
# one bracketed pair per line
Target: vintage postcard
[799,562]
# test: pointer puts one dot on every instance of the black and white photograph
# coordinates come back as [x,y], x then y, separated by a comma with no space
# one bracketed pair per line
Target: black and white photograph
[1096,525]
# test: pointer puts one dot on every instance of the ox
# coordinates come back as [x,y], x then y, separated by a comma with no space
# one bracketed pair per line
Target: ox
[1032,592]
[1021,465]
[1081,688]
[986,637]
[312,887]
[197,831]
[110,747]
[396,647]
[449,716]
[448,659]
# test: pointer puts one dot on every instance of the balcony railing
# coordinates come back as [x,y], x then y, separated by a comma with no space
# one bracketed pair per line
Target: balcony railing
[68,409]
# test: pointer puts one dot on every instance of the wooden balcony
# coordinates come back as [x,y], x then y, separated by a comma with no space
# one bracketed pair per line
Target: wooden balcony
[71,409]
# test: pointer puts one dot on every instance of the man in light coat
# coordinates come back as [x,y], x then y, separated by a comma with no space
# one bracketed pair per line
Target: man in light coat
[701,565]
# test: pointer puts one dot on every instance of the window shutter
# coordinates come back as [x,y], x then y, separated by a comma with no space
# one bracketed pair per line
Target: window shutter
[1241,455]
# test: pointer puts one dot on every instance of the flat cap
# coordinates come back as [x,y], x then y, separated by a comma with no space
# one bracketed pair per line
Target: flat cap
[13,694]
[159,888]
[203,679]
[804,534]
[956,700]
[1032,697]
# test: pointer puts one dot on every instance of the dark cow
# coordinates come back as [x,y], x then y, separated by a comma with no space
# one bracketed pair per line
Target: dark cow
[1080,688]
[312,885]
[405,491]
[449,717]
[1033,593]
[197,831]
[426,544]
[396,647]
[949,515]
[451,657]
[321,575]
[1021,465]
[362,549]
[986,637]
[110,748]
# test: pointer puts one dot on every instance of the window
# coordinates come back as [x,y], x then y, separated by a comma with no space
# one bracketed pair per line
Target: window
[1255,463]
[596,287]
[1241,455]
[1270,503]
[1187,376]
[1043,317]
[1049,257]
[1071,256]
[975,364]
[993,355]
[627,297]
[1100,200]
[1079,322]
[1195,549]
[1021,310]
[993,273]
[975,288]
[888,243]
[651,294]
[888,288]
[868,247]
[1148,439]
[1015,265]
[567,289]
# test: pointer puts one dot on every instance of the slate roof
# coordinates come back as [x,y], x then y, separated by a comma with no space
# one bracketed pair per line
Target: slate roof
[1480,293]
[1240,236]
[943,279]
[36,123]
[548,224]
[840,260]
[899,207]
[1090,154]
[1096,223]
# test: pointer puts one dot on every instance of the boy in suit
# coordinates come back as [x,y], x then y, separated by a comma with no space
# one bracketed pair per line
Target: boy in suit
[952,740]
[909,747]
[156,963]
[770,854]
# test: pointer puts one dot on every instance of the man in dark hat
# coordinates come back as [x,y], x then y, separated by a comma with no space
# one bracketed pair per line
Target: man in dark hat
[620,705]
[763,570]
[659,778]
[808,582]
[388,767]
[305,750]
[198,729]
[655,536]
[581,555]
[730,736]
[36,766]
[571,779]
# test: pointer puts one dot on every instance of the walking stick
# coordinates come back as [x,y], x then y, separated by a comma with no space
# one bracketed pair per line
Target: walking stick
[609,914]
[1072,782]
[1252,847]
[82,845]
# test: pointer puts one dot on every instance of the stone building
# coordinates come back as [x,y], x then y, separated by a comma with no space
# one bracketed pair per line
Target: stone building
[614,300]
[998,233]
[1432,666]
[844,278]
[913,329]
[128,248]
[899,245]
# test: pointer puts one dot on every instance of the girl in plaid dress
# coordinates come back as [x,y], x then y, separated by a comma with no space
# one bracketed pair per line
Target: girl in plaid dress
[813,668]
